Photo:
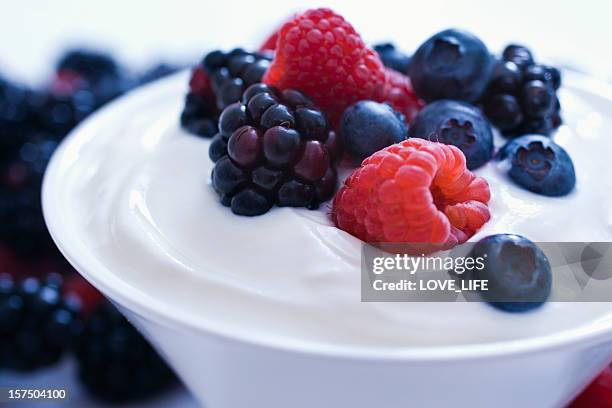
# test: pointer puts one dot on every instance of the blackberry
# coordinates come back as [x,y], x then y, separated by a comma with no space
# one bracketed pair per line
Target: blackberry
[273,148]
[392,57]
[36,324]
[115,363]
[218,81]
[16,115]
[521,96]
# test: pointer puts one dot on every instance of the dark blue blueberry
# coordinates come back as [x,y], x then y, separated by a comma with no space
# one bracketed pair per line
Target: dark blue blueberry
[459,124]
[517,272]
[539,165]
[369,126]
[452,64]
[392,57]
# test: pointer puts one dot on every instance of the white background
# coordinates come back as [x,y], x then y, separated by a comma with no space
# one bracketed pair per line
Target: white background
[138,32]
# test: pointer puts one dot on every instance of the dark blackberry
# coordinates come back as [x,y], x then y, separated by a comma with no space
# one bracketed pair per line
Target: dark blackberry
[16,118]
[93,65]
[392,57]
[217,82]
[273,148]
[115,363]
[36,324]
[521,96]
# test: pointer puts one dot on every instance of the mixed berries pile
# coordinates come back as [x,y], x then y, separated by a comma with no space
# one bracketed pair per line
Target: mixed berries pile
[416,127]
[44,315]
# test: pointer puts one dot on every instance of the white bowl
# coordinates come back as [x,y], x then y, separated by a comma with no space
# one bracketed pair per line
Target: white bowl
[229,370]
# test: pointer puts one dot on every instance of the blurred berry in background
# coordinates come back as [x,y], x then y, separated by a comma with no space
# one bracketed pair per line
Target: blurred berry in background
[48,311]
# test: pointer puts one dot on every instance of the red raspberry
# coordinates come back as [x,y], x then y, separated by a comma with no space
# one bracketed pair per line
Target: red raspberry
[270,43]
[321,54]
[399,94]
[598,394]
[199,83]
[415,191]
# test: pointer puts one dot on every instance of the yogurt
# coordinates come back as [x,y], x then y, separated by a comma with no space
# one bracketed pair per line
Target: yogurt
[138,192]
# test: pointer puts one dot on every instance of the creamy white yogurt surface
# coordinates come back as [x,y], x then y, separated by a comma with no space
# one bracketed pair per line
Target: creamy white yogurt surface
[139,197]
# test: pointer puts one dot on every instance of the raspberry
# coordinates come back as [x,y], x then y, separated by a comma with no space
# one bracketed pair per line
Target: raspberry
[399,94]
[598,394]
[417,192]
[270,43]
[273,148]
[321,55]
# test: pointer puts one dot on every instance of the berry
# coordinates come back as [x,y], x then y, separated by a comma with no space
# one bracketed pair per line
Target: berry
[452,64]
[459,124]
[115,363]
[321,54]
[518,54]
[598,393]
[520,98]
[392,57]
[507,77]
[369,126]
[417,192]
[217,82]
[518,272]
[505,111]
[91,64]
[273,148]
[538,99]
[36,324]
[539,165]
[399,94]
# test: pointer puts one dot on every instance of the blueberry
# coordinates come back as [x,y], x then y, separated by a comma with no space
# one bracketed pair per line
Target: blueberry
[518,54]
[504,111]
[538,99]
[539,165]
[368,127]
[392,57]
[518,273]
[452,64]
[506,78]
[459,124]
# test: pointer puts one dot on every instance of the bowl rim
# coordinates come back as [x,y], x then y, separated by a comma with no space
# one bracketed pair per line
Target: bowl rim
[154,309]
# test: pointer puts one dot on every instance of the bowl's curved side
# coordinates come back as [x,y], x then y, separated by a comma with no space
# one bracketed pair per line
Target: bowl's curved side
[156,310]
